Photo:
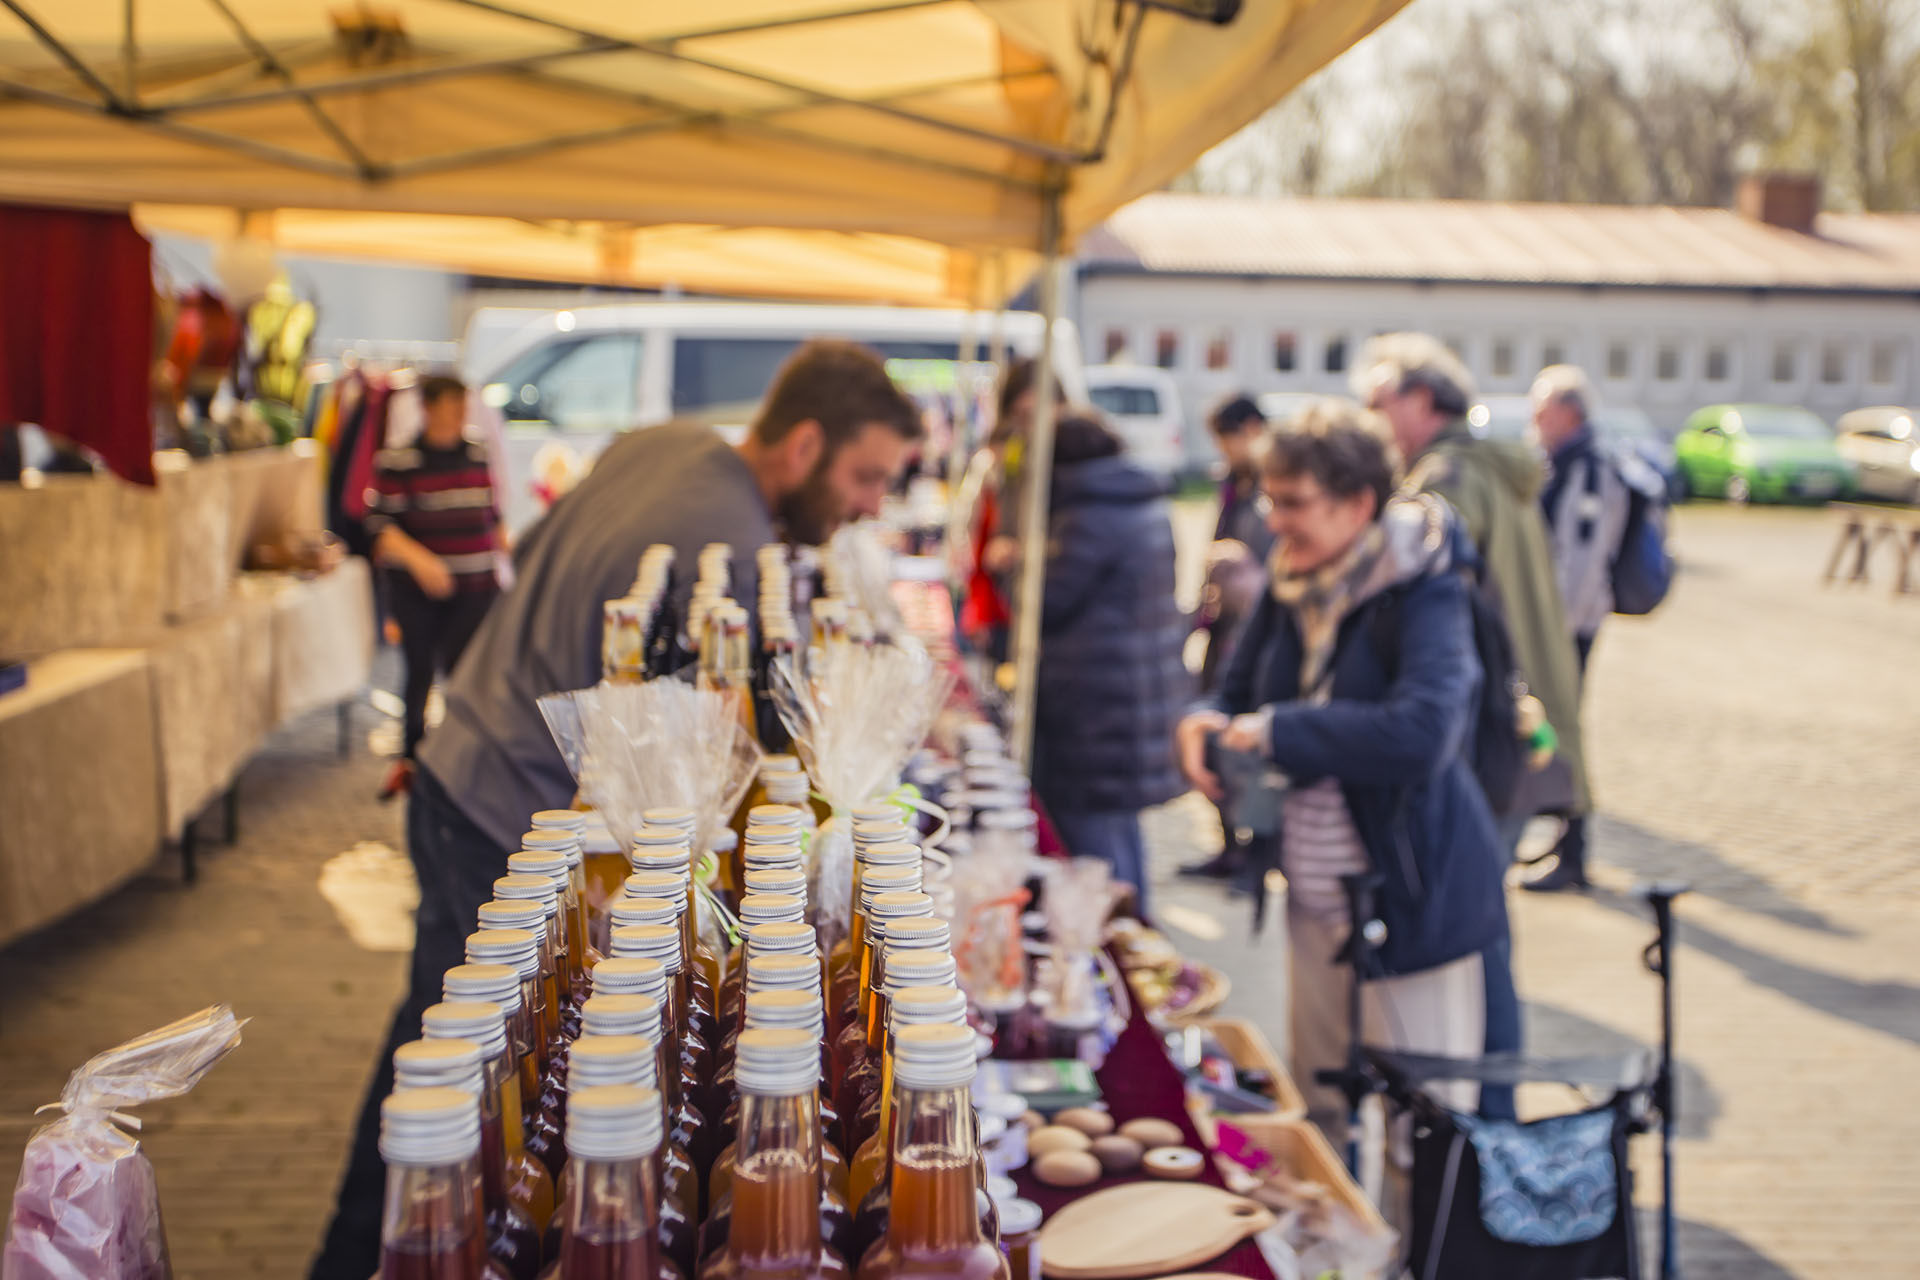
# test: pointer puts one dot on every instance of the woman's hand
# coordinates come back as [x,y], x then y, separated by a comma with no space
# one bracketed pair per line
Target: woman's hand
[1190,742]
[1247,734]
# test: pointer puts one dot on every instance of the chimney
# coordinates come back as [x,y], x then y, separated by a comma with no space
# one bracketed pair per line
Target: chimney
[1787,200]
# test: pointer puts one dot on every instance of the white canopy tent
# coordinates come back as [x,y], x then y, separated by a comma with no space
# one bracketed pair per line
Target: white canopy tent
[890,150]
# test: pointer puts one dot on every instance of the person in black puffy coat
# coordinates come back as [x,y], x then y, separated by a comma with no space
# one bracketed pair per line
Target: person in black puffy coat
[1112,683]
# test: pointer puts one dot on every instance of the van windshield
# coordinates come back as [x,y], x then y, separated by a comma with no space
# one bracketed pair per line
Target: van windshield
[728,376]
[1127,402]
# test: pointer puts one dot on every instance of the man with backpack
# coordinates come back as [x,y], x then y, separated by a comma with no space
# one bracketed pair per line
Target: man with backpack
[1424,392]
[1607,526]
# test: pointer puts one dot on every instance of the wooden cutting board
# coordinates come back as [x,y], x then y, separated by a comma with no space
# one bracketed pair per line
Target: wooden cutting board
[1146,1229]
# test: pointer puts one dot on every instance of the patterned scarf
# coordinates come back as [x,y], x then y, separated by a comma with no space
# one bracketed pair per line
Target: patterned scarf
[1320,600]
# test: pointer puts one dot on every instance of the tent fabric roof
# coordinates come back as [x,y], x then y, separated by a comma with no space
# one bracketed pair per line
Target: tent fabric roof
[1512,243]
[898,144]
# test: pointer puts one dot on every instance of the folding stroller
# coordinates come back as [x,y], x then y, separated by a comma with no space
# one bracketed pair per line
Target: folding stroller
[1551,1199]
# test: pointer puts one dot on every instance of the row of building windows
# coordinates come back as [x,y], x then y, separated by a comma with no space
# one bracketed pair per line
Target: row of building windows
[1789,359]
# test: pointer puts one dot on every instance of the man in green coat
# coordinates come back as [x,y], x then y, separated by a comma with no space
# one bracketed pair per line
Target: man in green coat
[1423,391]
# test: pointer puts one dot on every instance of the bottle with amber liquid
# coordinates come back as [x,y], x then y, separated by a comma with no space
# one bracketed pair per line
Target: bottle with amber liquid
[512,1241]
[775,1234]
[528,1184]
[550,853]
[933,1220]
[580,951]
[610,1232]
[661,942]
[923,939]
[860,1030]
[756,911]
[530,903]
[907,1007]
[430,1221]
[520,950]
[776,1010]
[633,1059]
[766,938]
[799,1008]
[846,991]
[766,971]
[846,952]
[660,898]
[676,859]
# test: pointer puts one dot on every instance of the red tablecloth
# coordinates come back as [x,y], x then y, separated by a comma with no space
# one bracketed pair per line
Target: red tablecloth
[1139,1079]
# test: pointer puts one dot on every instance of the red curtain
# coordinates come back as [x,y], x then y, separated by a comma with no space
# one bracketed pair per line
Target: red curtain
[76,331]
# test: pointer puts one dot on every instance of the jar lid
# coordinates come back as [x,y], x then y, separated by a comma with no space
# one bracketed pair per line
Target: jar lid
[876,811]
[779,763]
[774,815]
[787,880]
[514,913]
[920,969]
[426,1064]
[778,837]
[481,1021]
[782,937]
[918,932]
[517,947]
[655,835]
[875,881]
[765,908]
[560,819]
[790,787]
[669,817]
[630,975]
[1002,1189]
[539,862]
[922,1006]
[671,885]
[892,853]
[421,1128]
[598,1058]
[933,1056]
[517,886]
[783,972]
[786,1007]
[643,911]
[627,1015]
[670,856]
[777,1061]
[498,983]
[614,1122]
[654,941]
[1018,1217]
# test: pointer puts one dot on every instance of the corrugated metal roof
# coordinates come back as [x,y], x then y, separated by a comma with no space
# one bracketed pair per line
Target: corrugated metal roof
[1511,243]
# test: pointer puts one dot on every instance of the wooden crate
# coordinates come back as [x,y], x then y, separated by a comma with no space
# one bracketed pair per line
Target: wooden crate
[1248,1048]
[1305,1152]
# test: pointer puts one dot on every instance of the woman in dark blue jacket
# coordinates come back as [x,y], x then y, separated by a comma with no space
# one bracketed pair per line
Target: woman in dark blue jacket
[1356,680]
[1111,681]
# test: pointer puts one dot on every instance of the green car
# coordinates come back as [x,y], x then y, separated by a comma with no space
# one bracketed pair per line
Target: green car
[1760,453]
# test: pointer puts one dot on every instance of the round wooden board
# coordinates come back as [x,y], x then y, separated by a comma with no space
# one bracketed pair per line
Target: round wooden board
[1146,1229]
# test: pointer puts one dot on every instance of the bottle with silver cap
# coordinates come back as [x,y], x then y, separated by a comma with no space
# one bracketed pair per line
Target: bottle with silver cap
[859,1035]
[513,1242]
[775,1224]
[531,903]
[676,858]
[690,1137]
[766,936]
[933,1227]
[611,1232]
[907,1007]
[430,1224]
[578,903]
[861,1080]
[633,1059]
[661,942]
[500,984]
[528,1183]
[552,853]
[700,965]
[887,868]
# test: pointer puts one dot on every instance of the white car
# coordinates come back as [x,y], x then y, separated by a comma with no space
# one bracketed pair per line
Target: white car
[1143,407]
[1883,444]
[566,382]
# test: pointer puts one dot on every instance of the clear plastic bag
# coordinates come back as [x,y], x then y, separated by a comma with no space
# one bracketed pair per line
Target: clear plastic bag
[856,716]
[86,1206]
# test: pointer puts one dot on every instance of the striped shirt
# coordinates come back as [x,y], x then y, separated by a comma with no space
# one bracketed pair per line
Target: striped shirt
[1318,845]
[442,499]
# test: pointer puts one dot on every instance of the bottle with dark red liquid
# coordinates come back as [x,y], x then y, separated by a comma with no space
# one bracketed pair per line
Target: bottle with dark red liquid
[613,1133]
[777,1178]
[528,1184]
[510,1238]
[430,1226]
[635,1059]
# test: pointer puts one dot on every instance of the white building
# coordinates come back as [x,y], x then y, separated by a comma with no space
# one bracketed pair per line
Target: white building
[1667,308]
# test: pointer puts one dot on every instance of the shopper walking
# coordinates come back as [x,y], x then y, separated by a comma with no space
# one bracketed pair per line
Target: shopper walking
[433,522]
[1111,680]
[1585,503]
[828,441]
[1236,575]
[1424,392]
[1355,681]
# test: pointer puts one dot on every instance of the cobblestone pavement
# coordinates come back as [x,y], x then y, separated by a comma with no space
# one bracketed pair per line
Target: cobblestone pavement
[1753,737]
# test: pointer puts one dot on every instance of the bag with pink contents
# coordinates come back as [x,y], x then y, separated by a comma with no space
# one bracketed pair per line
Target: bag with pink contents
[86,1207]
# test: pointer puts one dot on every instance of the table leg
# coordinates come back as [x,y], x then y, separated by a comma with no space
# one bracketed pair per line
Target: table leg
[343,714]
[231,803]
[189,853]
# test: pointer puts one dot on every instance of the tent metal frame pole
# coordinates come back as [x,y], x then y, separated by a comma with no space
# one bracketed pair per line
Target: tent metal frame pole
[961,446]
[73,62]
[269,61]
[1036,473]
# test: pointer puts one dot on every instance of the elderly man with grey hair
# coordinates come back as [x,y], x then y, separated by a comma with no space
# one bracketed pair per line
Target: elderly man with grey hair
[1585,503]
[1424,391]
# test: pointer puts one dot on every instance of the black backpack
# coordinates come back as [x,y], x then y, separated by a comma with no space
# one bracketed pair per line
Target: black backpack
[1495,748]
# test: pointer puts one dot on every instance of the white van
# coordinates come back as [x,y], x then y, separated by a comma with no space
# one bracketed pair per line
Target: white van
[1143,404]
[571,379]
